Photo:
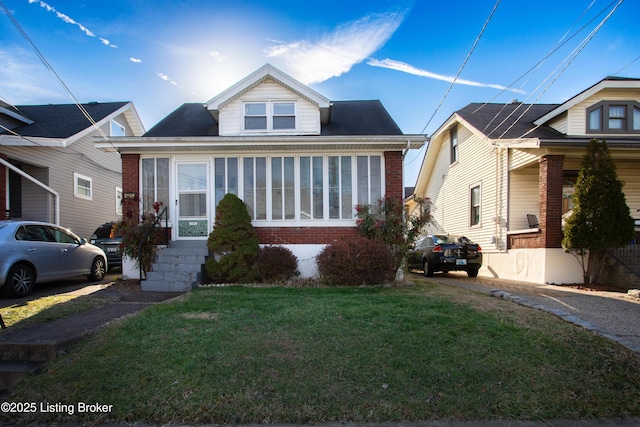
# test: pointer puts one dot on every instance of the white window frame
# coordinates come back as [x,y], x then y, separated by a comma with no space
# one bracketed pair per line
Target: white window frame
[477,185]
[270,115]
[76,186]
[116,125]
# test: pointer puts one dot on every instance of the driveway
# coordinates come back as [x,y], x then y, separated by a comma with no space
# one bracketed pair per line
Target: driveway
[614,315]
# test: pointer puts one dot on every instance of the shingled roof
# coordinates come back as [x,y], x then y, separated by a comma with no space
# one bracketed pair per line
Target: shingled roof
[367,117]
[494,120]
[61,120]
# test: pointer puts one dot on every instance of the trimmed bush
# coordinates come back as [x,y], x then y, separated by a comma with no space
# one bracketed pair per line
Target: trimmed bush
[356,261]
[276,264]
[233,244]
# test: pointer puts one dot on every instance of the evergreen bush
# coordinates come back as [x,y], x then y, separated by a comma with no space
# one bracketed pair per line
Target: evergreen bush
[276,264]
[356,261]
[233,244]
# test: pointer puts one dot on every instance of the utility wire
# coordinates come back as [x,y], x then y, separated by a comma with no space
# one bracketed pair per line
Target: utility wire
[42,58]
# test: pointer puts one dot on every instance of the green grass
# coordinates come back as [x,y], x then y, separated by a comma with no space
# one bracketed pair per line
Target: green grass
[264,355]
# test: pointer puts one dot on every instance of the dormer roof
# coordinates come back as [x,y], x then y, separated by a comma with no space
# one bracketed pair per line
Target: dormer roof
[262,74]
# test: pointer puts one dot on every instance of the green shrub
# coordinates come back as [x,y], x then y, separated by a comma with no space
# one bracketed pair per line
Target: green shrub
[276,264]
[233,244]
[356,261]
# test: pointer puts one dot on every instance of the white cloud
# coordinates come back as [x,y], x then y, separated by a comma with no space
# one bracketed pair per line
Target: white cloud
[217,56]
[410,69]
[67,19]
[163,76]
[335,54]
[136,60]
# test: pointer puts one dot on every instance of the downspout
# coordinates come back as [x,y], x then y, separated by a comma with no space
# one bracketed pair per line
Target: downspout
[56,196]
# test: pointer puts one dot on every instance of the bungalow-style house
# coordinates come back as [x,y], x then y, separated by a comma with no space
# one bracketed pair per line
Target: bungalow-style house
[50,169]
[299,161]
[503,175]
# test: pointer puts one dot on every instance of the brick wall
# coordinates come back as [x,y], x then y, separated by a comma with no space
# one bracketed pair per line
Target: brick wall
[393,174]
[302,235]
[3,186]
[131,183]
[551,179]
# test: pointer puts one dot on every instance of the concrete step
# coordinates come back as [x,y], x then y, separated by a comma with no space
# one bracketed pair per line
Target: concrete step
[13,371]
[177,268]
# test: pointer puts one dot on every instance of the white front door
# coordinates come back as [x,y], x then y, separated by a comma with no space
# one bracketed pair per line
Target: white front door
[192,202]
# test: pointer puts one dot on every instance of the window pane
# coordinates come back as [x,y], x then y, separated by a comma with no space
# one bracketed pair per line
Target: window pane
[193,205]
[346,188]
[305,188]
[636,119]
[261,188]
[162,187]
[318,187]
[192,177]
[289,189]
[148,184]
[249,186]
[232,175]
[376,179]
[276,188]
[617,111]
[363,180]
[595,119]
[284,122]
[219,180]
[259,109]
[283,108]
[334,187]
[252,123]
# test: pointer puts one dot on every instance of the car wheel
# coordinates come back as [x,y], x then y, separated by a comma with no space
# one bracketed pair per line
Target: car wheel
[472,273]
[20,281]
[98,269]
[428,272]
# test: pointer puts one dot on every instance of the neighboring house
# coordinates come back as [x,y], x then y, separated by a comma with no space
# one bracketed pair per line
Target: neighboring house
[299,161]
[50,169]
[503,175]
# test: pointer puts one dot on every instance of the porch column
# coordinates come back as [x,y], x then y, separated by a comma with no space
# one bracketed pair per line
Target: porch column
[393,174]
[551,179]
[3,186]
[131,184]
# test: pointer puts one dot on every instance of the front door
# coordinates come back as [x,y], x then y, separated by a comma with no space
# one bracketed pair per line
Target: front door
[192,202]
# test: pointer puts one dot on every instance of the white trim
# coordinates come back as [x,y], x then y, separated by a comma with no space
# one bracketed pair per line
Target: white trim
[471,187]
[78,194]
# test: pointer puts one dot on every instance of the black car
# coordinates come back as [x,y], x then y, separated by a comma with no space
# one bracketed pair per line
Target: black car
[434,253]
[110,244]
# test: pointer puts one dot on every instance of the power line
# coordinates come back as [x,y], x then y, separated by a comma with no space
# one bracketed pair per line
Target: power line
[475,43]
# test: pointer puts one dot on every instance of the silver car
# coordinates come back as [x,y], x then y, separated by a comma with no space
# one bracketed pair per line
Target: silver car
[33,252]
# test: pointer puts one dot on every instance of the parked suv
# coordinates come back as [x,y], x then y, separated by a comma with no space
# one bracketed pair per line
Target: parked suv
[102,238]
[445,253]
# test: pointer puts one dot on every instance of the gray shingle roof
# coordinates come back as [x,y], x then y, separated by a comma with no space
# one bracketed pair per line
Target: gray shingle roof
[495,119]
[61,120]
[347,118]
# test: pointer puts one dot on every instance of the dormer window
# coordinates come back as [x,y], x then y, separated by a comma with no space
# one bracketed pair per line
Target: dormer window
[614,117]
[117,129]
[269,115]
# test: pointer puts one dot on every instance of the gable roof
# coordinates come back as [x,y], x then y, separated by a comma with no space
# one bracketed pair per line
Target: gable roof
[262,74]
[610,82]
[367,117]
[60,121]
[504,121]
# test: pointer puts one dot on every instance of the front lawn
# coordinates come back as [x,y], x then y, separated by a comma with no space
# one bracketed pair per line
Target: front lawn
[243,355]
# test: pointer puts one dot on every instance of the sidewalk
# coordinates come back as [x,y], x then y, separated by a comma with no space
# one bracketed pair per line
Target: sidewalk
[614,315]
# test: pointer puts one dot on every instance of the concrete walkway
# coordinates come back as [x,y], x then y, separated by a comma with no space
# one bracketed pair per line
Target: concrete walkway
[614,315]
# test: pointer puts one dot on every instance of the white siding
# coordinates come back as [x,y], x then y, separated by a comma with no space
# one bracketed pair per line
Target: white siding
[449,189]
[524,197]
[307,114]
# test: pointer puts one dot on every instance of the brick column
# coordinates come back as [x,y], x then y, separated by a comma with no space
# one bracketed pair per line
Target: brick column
[393,174]
[131,184]
[3,186]
[551,179]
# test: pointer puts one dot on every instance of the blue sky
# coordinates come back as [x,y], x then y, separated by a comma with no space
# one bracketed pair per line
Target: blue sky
[162,53]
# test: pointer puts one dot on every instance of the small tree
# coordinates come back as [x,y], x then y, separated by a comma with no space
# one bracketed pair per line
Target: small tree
[600,219]
[233,244]
[386,222]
